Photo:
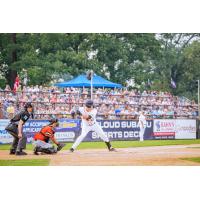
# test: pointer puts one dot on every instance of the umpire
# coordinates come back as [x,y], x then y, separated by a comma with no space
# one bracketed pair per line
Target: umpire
[15,128]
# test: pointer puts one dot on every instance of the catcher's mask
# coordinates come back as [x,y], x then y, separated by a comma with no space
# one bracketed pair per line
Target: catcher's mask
[53,121]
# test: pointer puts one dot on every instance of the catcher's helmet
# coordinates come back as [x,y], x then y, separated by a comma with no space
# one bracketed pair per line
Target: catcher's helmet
[28,105]
[54,120]
[89,103]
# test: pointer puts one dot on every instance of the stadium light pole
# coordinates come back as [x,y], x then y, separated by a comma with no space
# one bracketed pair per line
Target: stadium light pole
[91,84]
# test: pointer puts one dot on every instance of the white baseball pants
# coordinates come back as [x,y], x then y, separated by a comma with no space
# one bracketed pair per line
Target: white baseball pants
[86,129]
[141,134]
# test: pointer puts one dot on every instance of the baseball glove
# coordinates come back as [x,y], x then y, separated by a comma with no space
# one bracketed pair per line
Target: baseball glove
[60,146]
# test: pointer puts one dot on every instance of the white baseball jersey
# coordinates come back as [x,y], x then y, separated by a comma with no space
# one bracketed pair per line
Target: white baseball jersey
[92,113]
[142,120]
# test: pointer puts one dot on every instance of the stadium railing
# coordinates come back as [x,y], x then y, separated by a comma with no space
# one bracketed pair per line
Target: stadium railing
[114,116]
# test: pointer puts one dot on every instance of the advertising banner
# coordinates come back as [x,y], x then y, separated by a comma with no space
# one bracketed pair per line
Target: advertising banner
[164,129]
[198,128]
[70,129]
[67,131]
[121,130]
[185,129]
[4,136]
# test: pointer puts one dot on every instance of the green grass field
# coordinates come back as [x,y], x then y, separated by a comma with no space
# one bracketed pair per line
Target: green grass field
[25,162]
[195,159]
[97,145]
[120,144]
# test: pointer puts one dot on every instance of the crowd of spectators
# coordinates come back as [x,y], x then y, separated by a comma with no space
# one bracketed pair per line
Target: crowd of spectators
[111,103]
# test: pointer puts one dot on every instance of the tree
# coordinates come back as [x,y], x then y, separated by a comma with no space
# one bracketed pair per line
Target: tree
[170,64]
[8,49]
[121,53]
[190,71]
[120,57]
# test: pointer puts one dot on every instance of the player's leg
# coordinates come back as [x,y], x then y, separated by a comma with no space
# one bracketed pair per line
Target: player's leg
[12,130]
[84,132]
[141,134]
[21,145]
[98,129]
[44,147]
[14,143]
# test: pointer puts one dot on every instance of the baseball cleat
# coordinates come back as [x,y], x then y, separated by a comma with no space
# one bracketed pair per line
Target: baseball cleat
[112,149]
[20,153]
[71,149]
[12,152]
[35,151]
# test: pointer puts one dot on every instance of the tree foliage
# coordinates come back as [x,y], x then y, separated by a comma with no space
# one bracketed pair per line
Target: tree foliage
[120,57]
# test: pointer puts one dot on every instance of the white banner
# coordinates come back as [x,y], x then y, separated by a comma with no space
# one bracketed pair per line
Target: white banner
[185,129]
[65,136]
[164,127]
[4,136]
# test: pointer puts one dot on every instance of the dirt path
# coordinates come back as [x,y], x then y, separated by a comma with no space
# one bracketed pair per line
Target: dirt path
[140,156]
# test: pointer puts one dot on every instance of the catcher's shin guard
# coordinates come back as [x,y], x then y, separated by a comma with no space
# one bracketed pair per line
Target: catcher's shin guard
[37,149]
[49,150]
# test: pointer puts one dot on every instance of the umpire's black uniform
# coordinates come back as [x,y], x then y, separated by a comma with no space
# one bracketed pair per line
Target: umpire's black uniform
[18,143]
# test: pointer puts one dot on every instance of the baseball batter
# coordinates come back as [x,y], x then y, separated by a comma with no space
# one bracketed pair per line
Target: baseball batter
[88,115]
[142,124]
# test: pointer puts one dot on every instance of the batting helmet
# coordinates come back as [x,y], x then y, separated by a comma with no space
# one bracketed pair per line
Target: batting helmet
[89,103]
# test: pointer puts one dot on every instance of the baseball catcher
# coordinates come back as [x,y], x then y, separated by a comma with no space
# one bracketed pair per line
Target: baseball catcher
[88,116]
[41,139]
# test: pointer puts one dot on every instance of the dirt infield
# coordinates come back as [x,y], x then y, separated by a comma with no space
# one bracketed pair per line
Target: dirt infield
[139,156]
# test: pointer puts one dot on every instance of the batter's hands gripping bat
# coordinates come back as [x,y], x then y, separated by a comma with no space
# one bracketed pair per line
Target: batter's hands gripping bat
[75,112]
[89,117]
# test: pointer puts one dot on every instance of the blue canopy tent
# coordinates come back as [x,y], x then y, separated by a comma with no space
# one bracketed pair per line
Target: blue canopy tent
[82,81]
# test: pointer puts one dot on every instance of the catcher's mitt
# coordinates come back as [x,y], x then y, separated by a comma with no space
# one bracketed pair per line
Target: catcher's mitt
[60,146]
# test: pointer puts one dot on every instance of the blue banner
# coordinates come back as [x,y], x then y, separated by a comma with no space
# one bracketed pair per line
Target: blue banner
[122,130]
[67,131]
[70,129]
